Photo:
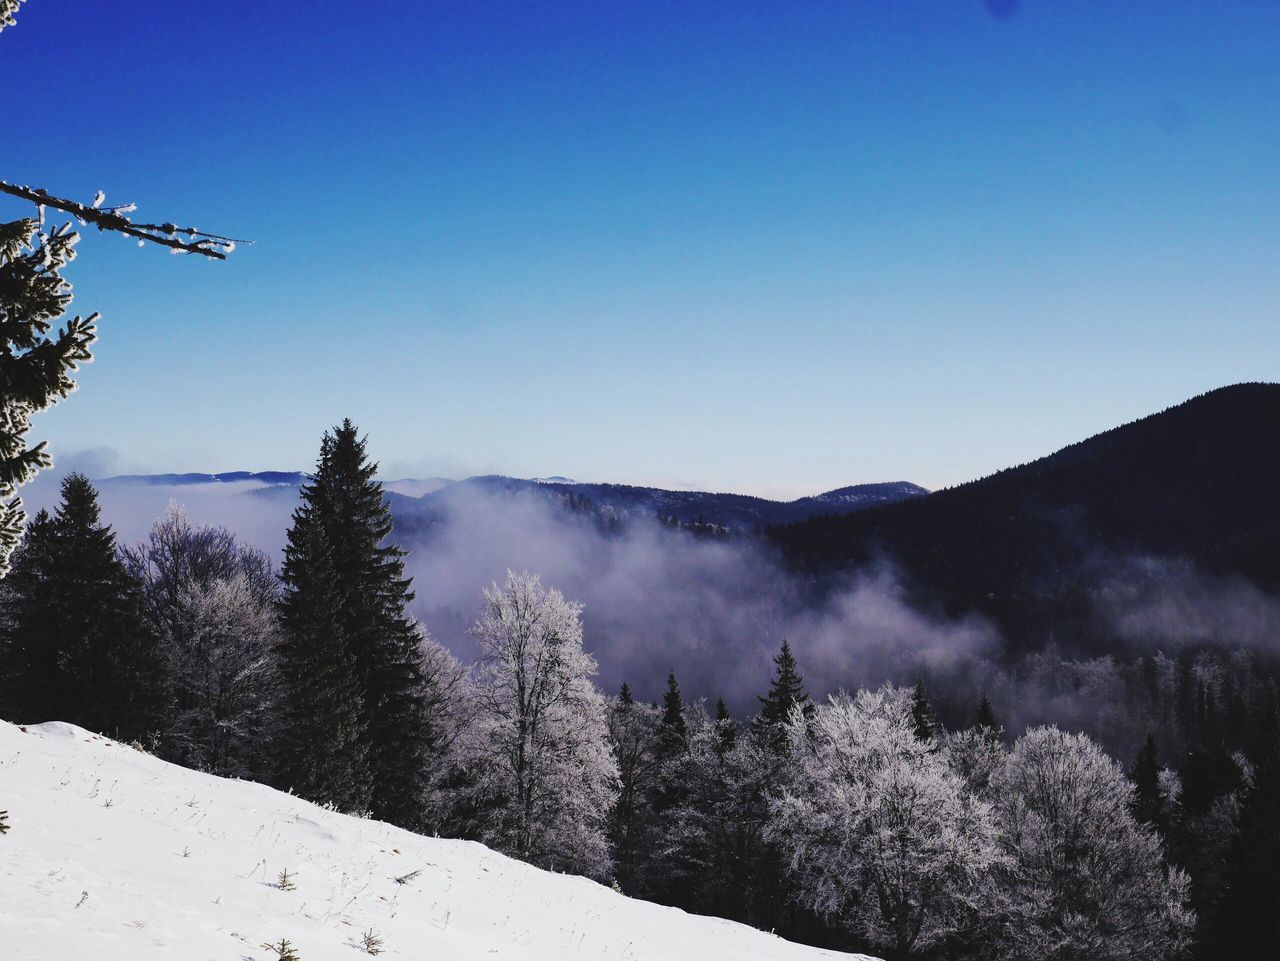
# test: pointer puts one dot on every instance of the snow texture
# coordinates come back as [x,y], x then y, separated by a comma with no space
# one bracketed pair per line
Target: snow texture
[115,855]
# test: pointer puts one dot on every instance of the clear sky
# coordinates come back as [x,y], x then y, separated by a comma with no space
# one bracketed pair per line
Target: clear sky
[762,247]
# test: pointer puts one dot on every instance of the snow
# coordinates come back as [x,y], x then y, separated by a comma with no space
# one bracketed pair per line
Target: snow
[115,855]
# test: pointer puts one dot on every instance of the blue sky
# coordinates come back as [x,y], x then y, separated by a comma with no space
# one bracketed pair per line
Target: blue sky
[763,247]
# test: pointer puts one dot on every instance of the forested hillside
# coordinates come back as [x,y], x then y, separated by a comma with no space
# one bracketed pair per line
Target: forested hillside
[1037,547]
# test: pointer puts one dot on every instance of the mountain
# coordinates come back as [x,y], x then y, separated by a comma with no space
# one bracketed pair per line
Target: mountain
[736,512]
[418,502]
[269,478]
[1046,547]
[115,855]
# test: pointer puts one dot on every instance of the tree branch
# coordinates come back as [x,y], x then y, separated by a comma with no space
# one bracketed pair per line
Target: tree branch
[113,218]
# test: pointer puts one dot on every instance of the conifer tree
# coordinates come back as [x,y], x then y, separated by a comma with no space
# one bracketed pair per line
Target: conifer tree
[987,716]
[726,729]
[324,754]
[673,742]
[675,732]
[922,718]
[36,367]
[79,645]
[384,642]
[1248,926]
[634,731]
[786,691]
[1146,781]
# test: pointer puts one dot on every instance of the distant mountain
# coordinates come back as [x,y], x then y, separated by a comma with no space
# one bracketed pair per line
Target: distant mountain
[1040,546]
[270,478]
[621,502]
[415,502]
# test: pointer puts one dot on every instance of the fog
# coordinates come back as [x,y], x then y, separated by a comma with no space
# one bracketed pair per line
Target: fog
[715,610]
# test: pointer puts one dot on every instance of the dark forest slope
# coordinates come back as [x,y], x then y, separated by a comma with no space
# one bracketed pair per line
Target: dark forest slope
[1033,545]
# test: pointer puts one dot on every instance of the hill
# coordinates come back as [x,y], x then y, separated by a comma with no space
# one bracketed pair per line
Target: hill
[1036,547]
[618,503]
[417,503]
[117,856]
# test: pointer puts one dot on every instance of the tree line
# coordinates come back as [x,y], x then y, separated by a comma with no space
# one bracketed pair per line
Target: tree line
[861,822]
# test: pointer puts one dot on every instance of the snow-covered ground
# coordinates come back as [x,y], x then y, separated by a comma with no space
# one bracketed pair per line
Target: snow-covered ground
[113,855]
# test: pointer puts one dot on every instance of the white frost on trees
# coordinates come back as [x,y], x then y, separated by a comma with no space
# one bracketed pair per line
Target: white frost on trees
[222,672]
[538,745]
[880,832]
[1087,881]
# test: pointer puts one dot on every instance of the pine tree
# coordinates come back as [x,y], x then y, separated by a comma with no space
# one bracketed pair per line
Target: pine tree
[384,642]
[81,650]
[922,718]
[36,367]
[786,691]
[987,716]
[324,754]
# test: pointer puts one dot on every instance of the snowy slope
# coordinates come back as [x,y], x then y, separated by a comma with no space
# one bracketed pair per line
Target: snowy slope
[114,855]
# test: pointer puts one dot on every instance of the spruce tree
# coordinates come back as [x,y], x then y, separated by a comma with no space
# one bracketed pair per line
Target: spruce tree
[987,722]
[36,367]
[1247,925]
[726,729]
[675,732]
[79,643]
[1146,782]
[922,717]
[324,754]
[383,640]
[786,691]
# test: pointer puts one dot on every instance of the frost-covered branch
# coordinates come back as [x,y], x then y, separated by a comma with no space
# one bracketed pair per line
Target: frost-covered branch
[7,9]
[116,219]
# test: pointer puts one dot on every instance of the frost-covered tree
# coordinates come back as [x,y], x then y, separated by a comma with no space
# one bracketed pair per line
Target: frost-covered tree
[36,365]
[78,648]
[211,600]
[881,834]
[178,554]
[221,667]
[1088,882]
[539,741]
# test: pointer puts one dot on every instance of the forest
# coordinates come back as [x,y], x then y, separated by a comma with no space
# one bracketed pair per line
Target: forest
[893,819]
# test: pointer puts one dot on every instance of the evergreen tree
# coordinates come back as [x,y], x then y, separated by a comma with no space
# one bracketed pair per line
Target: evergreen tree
[634,731]
[987,716]
[1248,926]
[726,729]
[673,742]
[675,732]
[80,648]
[1147,803]
[36,368]
[786,691]
[324,754]
[384,642]
[922,717]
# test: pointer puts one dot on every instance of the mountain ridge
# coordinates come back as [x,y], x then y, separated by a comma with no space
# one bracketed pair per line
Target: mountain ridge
[1035,546]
